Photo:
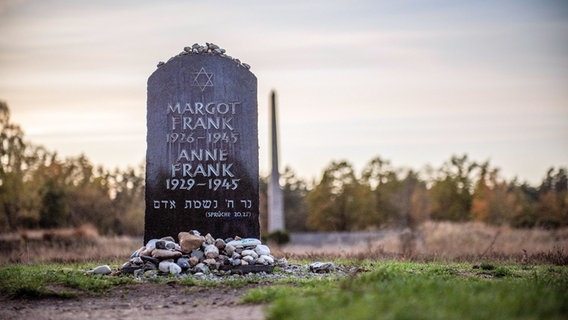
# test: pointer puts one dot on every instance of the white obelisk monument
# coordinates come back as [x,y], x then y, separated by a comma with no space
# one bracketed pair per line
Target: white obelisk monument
[275,199]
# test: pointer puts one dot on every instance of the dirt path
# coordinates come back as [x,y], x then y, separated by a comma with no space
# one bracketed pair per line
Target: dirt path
[139,301]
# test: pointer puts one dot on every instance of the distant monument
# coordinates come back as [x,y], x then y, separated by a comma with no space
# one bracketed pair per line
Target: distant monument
[202,146]
[275,201]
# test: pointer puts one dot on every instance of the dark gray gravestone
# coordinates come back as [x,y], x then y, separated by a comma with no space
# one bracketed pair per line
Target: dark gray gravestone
[202,147]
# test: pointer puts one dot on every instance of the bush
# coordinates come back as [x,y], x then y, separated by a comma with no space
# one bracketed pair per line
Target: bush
[279,237]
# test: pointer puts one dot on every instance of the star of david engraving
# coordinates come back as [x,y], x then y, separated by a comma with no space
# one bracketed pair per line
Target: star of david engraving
[202,79]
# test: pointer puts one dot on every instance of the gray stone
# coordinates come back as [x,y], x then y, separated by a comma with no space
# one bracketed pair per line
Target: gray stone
[202,268]
[212,263]
[150,273]
[183,263]
[150,266]
[211,251]
[130,268]
[209,239]
[198,254]
[150,259]
[167,243]
[212,46]
[281,262]
[220,244]
[229,249]
[202,114]
[161,244]
[138,273]
[322,267]
[222,258]
[137,261]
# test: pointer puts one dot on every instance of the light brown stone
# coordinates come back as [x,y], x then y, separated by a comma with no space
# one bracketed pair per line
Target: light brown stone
[165,254]
[188,241]
[147,251]
[193,261]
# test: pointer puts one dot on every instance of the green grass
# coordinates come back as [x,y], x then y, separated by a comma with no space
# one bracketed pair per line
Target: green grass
[396,290]
[61,281]
[289,287]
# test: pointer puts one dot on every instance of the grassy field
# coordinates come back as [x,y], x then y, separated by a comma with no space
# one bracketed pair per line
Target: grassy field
[40,281]
[453,242]
[450,271]
[397,290]
[377,290]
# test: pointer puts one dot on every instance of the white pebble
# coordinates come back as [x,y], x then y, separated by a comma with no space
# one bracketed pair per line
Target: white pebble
[262,250]
[174,269]
[104,269]
[267,258]
[249,253]
[245,242]
[164,265]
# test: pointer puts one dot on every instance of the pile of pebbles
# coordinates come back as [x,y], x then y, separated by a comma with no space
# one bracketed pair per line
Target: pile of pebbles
[208,48]
[207,258]
[201,255]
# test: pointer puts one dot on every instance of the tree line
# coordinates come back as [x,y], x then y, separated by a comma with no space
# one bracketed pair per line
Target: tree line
[383,196]
[39,189]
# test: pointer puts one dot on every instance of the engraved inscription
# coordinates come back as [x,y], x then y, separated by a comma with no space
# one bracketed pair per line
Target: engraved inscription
[199,138]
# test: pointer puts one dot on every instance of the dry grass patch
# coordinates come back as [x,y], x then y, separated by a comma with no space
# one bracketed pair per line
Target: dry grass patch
[445,241]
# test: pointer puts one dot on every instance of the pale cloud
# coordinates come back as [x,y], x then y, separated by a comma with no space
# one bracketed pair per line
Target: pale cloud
[409,80]
[6,5]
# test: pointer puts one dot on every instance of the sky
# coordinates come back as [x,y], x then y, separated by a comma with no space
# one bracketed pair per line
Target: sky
[413,82]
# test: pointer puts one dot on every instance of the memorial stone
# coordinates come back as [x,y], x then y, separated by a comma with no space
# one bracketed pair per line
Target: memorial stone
[202,146]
